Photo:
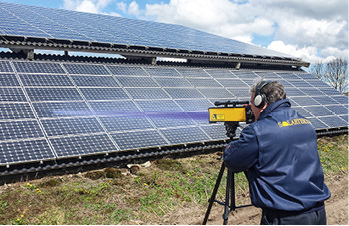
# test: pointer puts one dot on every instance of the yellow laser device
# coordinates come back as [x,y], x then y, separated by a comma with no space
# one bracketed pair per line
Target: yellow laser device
[230,112]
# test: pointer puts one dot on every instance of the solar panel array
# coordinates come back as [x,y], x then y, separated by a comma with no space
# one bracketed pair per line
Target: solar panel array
[31,21]
[51,110]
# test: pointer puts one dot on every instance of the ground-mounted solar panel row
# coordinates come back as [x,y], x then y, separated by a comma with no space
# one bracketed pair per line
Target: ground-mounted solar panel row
[31,21]
[51,110]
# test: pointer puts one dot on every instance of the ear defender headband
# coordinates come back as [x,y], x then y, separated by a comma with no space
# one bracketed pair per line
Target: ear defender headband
[260,98]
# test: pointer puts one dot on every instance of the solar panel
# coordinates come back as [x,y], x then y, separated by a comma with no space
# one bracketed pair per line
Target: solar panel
[70,126]
[8,80]
[96,108]
[31,21]
[97,81]
[23,151]
[82,145]
[14,130]
[11,94]
[137,81]
[53,94]
[139,139]
[15,111]
[184,135]
[45,80]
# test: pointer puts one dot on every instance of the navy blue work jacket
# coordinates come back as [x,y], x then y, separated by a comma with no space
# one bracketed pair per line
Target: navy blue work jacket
[279,156]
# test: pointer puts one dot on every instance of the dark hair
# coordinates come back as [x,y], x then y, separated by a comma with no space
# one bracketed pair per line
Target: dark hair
[273,91]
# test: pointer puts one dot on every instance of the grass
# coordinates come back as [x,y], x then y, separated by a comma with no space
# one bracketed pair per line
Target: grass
[110,197]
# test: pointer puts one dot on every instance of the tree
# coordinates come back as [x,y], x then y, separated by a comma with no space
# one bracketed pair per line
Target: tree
[334,73]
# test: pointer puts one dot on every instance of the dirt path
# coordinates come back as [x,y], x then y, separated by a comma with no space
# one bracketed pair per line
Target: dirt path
[336,208]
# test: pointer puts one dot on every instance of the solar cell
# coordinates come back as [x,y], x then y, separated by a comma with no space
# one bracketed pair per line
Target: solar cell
[122,70]
[312,91]
[317,123]
[105,93]
[158,105]
[33,67]
[216,132]
[232,82]
[303,112]
[194,104]
[82,145]
[318,110]
[241,93]
[269,75]
[300,83]
[172,82]
[15,111]
[11,94]
[324,100]
[185,135]
[215,93]
[338,109]
[61,109]
[137,81]
[53,94]
[217,73]
[341,99]
[88,69]
[332,92]
[119,108]
[293,92]
[333,121]
[171,72]
[5,66]
[25,151]
[305,101]
[98,81]
[13,130]
[45,80]
[195,72]
[169,119]
[245,74]
[183,93]
[199,82]
[139,139]
[69,126]
[8,80]
[288,76]
[147,93]
[318,83]
[128,122]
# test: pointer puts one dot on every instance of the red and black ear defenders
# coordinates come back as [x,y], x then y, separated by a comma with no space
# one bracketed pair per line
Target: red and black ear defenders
[259,97]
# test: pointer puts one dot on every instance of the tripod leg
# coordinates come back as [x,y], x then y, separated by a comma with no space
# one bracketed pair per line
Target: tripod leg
[213,196]
[232,203]
[227,193]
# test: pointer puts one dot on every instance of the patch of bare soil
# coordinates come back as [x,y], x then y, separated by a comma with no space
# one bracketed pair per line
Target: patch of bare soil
[336,209]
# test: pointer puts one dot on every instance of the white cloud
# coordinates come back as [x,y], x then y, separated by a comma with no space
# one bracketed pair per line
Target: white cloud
[122,6]
[133,8]
[89,6]
[312,28]
[221,17]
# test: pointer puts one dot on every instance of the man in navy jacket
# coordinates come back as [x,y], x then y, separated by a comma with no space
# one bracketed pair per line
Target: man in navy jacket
[278,153]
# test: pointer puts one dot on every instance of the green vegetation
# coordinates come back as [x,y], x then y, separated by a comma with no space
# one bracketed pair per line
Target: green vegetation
[111,196]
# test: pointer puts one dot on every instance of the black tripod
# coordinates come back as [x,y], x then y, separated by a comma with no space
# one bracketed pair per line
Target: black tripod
[230,191]
[230,127]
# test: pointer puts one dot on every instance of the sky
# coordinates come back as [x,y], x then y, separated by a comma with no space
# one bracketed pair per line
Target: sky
[314,30]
